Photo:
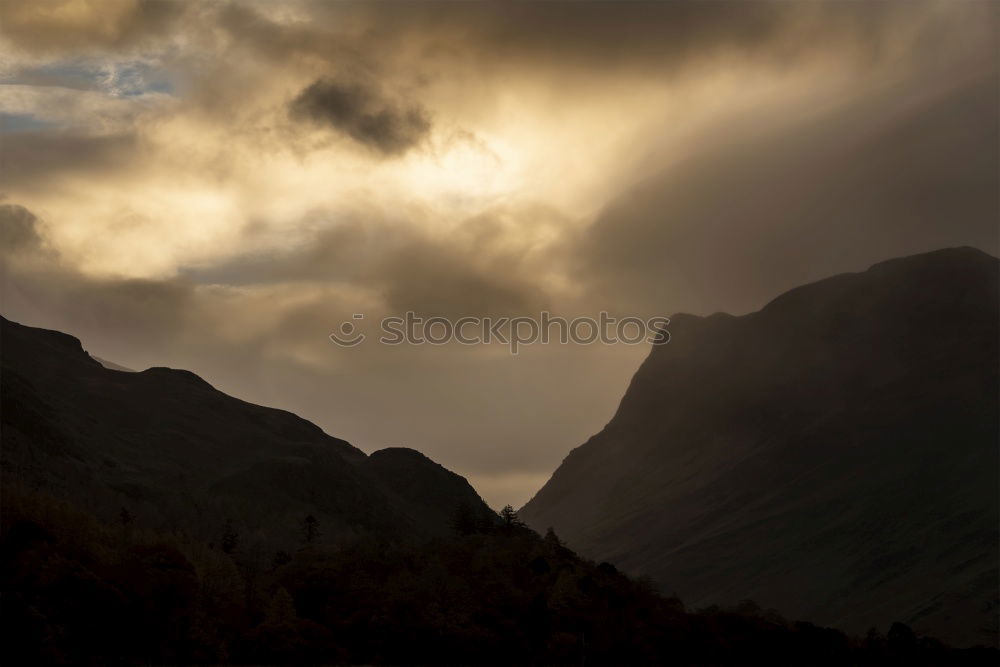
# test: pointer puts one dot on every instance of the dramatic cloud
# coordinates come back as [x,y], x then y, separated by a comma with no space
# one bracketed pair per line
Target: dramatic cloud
[32,160]
[768,208]
[363,113]
[17,229]
[86,25]
[400,266]
[220,185]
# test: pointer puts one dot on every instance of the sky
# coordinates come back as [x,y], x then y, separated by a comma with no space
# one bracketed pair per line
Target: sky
[217,186]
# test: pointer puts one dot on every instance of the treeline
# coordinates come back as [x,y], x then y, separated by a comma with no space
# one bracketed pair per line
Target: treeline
[75,591]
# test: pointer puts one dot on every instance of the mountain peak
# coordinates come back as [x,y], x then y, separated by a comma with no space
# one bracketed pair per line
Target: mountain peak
[167,445]
[177,375]
[937,271]
[832,455]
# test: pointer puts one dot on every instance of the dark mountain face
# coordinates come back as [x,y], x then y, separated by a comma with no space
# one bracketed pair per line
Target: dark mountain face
[833,455]
[180,455]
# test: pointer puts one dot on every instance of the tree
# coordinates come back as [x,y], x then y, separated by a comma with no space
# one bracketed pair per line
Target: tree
[902,641]
[509,517]
[310,529]
[281,608]
[230,538]
[551,538]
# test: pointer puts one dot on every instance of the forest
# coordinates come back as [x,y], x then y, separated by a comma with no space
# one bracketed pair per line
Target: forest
[78,591]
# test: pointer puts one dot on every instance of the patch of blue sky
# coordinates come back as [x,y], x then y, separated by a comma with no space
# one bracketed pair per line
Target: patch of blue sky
[133,79]
[11,123]
[115,79]
[63,75]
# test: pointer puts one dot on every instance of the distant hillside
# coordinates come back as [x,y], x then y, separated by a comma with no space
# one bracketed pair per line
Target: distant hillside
[834,455]
[181,456]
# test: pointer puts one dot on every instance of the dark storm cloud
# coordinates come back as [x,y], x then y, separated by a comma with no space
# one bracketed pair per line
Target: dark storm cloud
[762,210]
[51,26]
[603,35]
[555,41]
[421,40]
[364,113]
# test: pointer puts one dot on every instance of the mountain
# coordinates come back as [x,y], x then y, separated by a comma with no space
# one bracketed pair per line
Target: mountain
[833,455]
[112,365]
[182,456]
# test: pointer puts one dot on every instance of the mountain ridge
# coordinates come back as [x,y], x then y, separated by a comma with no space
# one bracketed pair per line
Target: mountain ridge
[171,448]
[740,433]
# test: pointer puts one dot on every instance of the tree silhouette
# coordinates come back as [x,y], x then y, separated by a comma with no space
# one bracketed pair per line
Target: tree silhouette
[509,517]
[902,642]
[310,529]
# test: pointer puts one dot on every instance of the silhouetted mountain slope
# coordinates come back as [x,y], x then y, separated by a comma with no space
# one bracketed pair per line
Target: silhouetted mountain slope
[111,365]
[833,455]
[180,455]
